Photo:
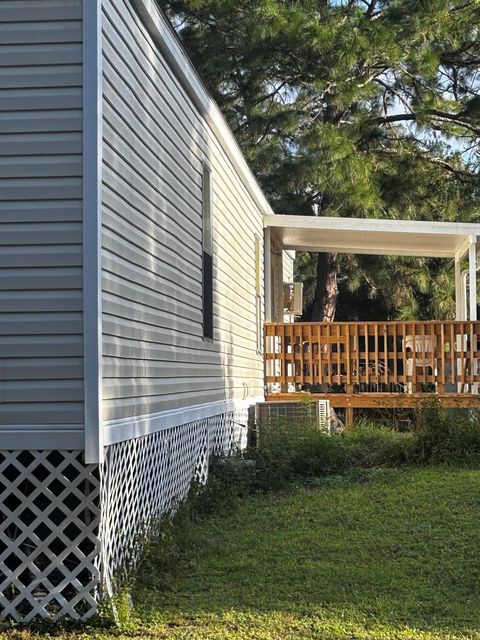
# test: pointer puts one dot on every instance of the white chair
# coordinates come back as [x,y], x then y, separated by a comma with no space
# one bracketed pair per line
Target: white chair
[424,346]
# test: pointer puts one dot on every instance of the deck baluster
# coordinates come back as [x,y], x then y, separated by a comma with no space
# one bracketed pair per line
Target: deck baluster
[374,363]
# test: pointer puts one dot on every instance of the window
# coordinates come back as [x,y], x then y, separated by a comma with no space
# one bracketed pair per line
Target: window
[258,294]
[207,263]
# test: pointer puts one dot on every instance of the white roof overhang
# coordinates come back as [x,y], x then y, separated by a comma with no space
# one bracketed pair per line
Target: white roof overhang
[372,236]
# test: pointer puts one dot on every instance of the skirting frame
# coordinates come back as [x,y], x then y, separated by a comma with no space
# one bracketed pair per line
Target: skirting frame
[69,530]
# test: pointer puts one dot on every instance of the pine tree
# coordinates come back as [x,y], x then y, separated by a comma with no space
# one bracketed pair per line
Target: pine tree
[359,108]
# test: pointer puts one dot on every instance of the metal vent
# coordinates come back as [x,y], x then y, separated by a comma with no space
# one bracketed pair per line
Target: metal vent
[315,410]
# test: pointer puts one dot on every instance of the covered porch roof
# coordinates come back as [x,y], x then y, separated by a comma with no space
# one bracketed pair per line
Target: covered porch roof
[381,237]
[372,236]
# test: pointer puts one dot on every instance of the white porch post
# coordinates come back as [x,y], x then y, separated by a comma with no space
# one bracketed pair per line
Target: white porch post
[268,274]
[459,301]
[472,276]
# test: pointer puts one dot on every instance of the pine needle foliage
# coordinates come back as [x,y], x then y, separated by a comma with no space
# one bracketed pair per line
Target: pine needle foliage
[357,108]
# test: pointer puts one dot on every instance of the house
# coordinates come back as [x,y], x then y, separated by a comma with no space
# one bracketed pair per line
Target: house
[138,262]
[131,322]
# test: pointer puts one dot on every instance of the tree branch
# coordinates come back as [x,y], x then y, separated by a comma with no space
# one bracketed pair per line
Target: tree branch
[462,175]
[371,9]
[442,115]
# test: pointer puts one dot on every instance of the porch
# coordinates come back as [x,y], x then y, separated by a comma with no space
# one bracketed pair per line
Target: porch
[374,364]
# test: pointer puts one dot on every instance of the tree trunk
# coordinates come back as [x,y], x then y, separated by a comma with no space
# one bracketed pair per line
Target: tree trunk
[324,303]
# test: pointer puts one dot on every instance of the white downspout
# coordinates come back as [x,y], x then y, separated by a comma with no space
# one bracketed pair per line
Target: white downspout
[464,291]
[459,297]
[472,282]
[472,276]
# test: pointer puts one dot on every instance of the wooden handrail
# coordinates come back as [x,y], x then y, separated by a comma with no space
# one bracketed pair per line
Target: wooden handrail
[362,357]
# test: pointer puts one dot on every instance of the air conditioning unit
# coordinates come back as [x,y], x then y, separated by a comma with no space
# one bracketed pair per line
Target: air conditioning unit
[315,410]
[293,298]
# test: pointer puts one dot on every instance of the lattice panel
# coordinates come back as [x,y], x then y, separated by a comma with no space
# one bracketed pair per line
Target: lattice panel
[147,477]
[49,520]
[63,523]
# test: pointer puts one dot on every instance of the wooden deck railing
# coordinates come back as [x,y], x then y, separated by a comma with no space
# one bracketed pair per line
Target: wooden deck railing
[372,357]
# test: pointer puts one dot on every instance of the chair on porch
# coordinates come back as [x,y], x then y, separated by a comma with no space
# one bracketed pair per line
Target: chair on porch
[421,357]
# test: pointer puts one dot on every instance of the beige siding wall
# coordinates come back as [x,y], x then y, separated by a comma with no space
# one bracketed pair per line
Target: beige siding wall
[154,356]
[41,350]
[288,260]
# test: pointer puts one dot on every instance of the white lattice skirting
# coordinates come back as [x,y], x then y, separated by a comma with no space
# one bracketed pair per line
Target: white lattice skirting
[68,529]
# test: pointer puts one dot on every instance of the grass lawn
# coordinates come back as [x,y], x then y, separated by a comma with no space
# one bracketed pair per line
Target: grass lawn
[389,554]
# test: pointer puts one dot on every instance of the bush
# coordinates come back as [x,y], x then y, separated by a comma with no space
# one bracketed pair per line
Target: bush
[229,479]
[278,443]
[302,450]
[449,436]
[289,451]
[377,446]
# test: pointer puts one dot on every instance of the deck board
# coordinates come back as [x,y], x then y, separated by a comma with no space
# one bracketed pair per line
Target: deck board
[382,400]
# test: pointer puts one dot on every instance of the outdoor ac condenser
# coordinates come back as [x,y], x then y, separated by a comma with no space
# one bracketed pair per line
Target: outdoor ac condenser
[293,298]
[316,410]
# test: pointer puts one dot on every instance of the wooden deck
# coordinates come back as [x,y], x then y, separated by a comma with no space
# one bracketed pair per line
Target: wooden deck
[374,364]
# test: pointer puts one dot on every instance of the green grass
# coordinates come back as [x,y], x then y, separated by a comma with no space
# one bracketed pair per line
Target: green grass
[386,554]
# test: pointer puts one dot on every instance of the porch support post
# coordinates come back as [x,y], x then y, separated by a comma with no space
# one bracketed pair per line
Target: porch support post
[459,301]
[268,274]
[472,276]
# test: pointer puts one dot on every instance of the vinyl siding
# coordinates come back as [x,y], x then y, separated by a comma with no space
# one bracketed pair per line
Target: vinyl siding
[41,347]
[288,259]
[154,355]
